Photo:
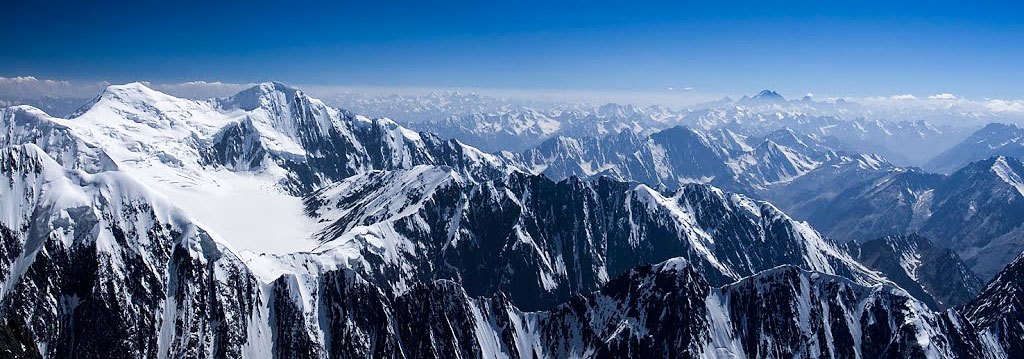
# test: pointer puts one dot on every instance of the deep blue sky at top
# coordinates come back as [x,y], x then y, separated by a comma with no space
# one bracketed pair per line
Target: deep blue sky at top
[838,48]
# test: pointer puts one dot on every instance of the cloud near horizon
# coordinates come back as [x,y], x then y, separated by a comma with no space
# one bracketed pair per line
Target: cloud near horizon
[942,96]
[31,87]
[903,97]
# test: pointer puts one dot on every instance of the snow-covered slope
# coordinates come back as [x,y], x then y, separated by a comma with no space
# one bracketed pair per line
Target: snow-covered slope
[541,241]
[979,212]
[133,216]
[83,250]
[680,155]
[999,310]
[239,164]
[24,124]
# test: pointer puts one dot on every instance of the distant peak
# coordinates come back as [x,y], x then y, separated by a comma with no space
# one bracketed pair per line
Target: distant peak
[129,88]
[768,95]
[134,92]
[253,97]
[996,126]
[274,86]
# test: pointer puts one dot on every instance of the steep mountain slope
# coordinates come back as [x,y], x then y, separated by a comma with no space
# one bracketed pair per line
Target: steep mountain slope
[24,124]
[931,273]
[270,122]
[679,155]
[542,241]
[82,251]
[999,309]
[995,139]
[979,211]
[859,198]
[976,211]
[254,153]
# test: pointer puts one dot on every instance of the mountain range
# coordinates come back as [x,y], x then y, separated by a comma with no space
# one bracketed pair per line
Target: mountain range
[268,224]
[849,126]
[995,139]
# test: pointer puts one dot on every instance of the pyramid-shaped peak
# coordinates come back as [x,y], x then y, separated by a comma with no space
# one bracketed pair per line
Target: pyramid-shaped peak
[131,90]
[769,95]
[262,94]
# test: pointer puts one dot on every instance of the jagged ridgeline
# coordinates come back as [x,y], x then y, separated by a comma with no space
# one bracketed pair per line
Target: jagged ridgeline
[425,248]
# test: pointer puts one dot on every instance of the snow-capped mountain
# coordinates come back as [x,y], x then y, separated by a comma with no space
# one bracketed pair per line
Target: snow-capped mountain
[680,155]
[857,198]
[249,156]
[979,212]
[934,274]
[398,244]
[541,241]
[56,105]
[995,139]
[82,250]
[513,130]
[86,250]
[976,211]
[523,128]
[434,106]
[999,309]
[270,122]
[906,142]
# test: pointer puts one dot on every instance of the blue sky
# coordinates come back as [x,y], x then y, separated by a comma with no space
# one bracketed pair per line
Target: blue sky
[836,48]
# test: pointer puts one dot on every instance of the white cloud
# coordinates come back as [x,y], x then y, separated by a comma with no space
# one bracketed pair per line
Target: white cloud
[33,87]
[809,94]
[687,88]
[1005,105]
[670,88]
[903,97]
[942,96]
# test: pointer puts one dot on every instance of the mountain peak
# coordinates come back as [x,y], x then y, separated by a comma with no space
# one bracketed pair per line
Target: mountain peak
[769,95]
[999,127]
[133,89]
[256,96]
[132,94]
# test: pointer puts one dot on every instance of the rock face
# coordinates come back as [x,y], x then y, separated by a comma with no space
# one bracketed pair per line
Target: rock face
[999,310]
[855,199]
[978,211]
[931,273]
[81,252]
[541,241]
